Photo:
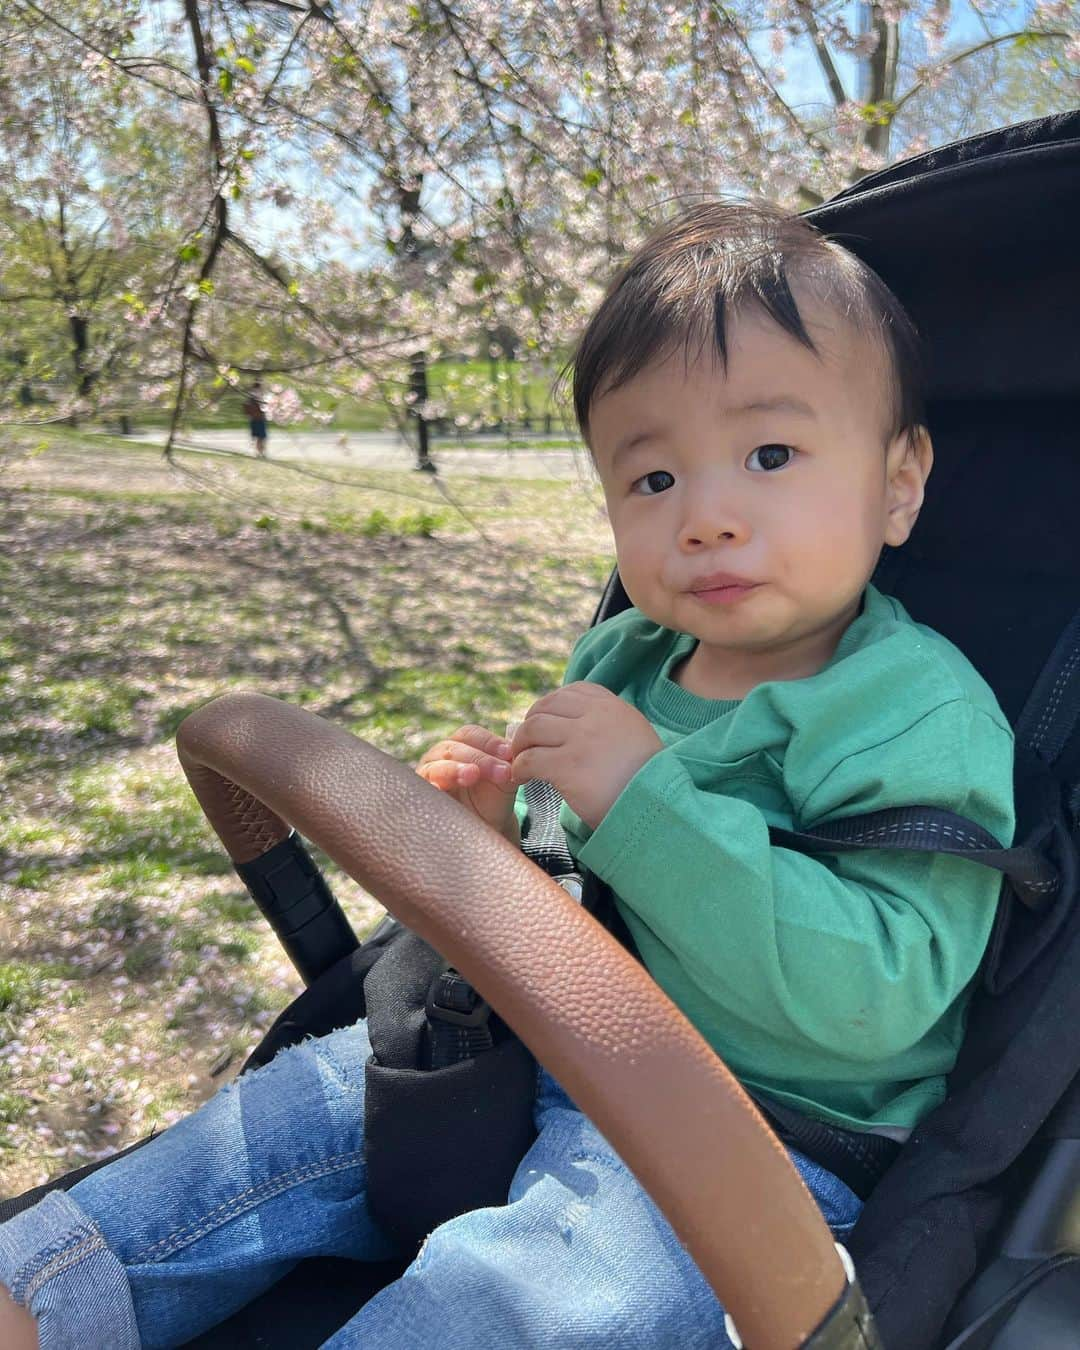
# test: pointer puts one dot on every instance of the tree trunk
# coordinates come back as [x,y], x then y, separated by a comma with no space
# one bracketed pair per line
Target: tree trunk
[881,80]
[409,199]
[80,346]
[418,387]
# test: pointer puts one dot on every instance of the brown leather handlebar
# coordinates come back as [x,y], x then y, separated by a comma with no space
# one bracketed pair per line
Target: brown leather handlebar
[582,1004]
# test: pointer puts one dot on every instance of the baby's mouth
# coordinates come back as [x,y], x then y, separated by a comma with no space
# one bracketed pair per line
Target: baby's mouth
[721,588]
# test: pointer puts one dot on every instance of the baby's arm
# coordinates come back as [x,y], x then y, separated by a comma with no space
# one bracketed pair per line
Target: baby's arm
[855,955]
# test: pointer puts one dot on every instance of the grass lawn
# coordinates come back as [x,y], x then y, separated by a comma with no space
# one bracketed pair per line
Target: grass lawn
[134,973]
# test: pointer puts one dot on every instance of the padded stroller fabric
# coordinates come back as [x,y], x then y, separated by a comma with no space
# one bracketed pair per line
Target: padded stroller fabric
[442,1141]
[925,1228]
[477,1113]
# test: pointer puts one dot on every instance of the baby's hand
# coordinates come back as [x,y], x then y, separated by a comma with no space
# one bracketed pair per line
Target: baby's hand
[473,766]
[586,741]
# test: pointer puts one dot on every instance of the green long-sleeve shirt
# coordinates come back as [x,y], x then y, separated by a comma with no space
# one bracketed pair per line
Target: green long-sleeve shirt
[837,984]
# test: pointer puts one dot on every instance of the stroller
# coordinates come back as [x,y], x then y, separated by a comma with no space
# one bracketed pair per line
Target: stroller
[972,1239]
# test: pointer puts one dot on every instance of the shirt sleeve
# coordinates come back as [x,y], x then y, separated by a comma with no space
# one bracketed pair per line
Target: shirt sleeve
[857,954]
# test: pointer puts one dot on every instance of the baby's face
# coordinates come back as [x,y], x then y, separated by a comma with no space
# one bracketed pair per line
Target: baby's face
[773,473]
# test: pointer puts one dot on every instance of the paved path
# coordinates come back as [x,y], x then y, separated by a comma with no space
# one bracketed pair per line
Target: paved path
[387,450]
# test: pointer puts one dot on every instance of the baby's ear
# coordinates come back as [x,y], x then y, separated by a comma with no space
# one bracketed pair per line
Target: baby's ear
[909,460]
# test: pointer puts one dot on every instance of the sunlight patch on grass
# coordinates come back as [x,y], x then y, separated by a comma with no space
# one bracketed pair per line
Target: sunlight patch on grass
[90,705]
[20,986]
[142,817]
[414,706]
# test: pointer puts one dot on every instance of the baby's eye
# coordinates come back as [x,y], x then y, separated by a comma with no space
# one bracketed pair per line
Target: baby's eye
[770,457]
[652,483]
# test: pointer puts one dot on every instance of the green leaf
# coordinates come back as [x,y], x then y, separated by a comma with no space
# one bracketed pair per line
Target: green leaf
[225,81]
[878,114]
[245,64]
[592,178]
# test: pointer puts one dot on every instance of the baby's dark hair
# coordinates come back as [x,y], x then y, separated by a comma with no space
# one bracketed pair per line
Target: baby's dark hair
[720,257]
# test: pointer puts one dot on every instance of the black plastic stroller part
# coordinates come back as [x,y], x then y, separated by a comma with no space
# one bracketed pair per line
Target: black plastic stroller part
[850,1325]
[476,1112]
[977,240]
[299,906]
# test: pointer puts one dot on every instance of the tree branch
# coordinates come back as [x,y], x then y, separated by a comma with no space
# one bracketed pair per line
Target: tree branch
[1030,34]
[824,56]
[219,208]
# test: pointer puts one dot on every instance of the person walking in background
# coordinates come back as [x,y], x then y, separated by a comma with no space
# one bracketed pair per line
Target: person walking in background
[256,415]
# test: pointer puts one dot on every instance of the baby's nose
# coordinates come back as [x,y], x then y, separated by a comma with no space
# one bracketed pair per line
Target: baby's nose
[706,529]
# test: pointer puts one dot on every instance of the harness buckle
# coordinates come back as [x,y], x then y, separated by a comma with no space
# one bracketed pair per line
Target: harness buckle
[452,999]
[457,1022]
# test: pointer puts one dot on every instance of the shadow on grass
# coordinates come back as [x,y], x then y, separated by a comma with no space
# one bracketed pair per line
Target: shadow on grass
[115,623]
[109,647]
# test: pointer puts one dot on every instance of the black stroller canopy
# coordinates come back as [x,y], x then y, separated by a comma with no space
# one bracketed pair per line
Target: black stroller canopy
[979,241]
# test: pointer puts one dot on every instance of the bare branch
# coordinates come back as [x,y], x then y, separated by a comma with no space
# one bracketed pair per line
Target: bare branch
[219,209]
[824,56]
[1026,34]
[131,69]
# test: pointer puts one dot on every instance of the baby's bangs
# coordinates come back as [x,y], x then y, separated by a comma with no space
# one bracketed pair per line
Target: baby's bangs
[667,309]
[681,289]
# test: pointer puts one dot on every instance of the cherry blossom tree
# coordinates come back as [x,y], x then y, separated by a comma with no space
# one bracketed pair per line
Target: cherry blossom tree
[85,214]
[350,191]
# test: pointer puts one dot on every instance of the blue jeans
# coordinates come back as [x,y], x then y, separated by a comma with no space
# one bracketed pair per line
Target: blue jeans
[162,1244]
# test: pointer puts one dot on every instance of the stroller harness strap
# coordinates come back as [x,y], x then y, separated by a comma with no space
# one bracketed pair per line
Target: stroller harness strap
[921,829]
[929,829]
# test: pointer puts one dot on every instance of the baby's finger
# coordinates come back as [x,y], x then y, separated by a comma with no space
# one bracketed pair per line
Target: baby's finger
[537,761]
[570,700]
[477,764]
[452,749]
[447,776]
[543,728]
[482,739]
